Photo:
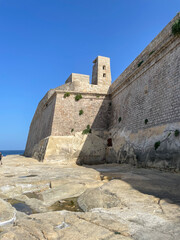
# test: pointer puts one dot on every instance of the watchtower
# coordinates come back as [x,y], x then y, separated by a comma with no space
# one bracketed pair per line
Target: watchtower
[101,74]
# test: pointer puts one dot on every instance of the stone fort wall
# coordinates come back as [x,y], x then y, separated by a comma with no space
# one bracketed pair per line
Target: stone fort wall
[140,108]
[148,90]
[56,131]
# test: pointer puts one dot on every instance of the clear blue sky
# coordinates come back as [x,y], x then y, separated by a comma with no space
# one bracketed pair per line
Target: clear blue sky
[43,41]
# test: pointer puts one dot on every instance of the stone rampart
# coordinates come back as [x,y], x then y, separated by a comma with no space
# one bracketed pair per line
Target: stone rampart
[146,105]
[135,120]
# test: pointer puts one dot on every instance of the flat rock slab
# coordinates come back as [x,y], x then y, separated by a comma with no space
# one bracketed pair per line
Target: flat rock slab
[7,213]
[126,203]
[65,225]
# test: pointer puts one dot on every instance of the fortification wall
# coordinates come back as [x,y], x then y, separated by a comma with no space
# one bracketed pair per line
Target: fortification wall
[41,126]
[141,108]
[67,141]
[57,126]
[67,118]
[149,90]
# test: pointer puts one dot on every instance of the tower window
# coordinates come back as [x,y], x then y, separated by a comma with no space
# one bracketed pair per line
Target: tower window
[109,142]
[104,75]
[104,67]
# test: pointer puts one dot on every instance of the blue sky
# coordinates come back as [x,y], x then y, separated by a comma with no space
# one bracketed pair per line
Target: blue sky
[43,41]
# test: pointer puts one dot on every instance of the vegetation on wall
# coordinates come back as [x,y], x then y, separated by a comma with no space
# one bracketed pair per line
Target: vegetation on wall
[72,130]
[158,143]
[176,28]
[176,133]
[81,112]
[67,94]
[78,97]
[151,53]
[87,130]
[139,64]
[146,121]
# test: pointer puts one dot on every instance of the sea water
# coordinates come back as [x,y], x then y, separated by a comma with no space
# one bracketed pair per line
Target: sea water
[12,152]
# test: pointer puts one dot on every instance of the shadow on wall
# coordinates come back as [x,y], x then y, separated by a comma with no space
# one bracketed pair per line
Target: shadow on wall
[105,143]
[97,148]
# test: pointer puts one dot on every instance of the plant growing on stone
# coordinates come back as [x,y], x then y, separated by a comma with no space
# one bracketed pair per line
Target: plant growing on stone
[151,53]
[78,97]
[97,96]
[146,121]
[156,145]
[139,64]
[87,130]
[119,119]
[81,112]
[176,133]
[176,28]
[72,130]
[67,94]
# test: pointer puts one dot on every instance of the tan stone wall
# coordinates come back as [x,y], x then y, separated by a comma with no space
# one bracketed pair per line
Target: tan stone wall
[101,74]
[41,124]
[76,77]
[149,90]
[95,113]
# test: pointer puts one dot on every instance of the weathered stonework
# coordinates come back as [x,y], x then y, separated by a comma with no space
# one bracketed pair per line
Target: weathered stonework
[141,107]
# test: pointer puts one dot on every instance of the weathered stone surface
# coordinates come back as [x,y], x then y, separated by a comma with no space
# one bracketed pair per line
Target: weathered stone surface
[98,198]
[7,213]
[138,204]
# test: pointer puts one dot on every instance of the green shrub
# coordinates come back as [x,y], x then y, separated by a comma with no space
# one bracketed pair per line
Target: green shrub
[176,28]
[87,130]
[119,119]
[146,121]
[97,96]
[176,133]
[67,94]
[72,202]
[151,53]
[156,145]
[78,97]
[72,130]
[139,64]
[81,112]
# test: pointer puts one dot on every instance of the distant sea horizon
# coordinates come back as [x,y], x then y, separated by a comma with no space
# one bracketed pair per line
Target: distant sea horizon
[12,152]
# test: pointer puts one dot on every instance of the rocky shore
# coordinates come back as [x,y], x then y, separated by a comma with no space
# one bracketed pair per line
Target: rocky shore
[104,202]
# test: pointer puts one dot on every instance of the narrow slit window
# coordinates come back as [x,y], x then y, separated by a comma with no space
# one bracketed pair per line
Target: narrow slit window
[104,75]
[109,142]
[104,67]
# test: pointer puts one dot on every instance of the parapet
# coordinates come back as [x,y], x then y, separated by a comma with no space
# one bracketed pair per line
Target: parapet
[76,77]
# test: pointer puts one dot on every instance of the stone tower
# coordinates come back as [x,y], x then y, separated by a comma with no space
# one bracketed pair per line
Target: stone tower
[101,74]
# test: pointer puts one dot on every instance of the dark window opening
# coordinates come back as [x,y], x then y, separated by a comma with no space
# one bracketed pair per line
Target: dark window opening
[109,142]
[104,67]
[104,75]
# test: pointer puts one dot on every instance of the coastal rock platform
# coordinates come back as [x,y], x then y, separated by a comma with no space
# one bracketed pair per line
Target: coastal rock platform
[104,202]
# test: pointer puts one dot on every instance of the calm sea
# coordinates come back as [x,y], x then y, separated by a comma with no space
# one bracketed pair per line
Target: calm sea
[11,152]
